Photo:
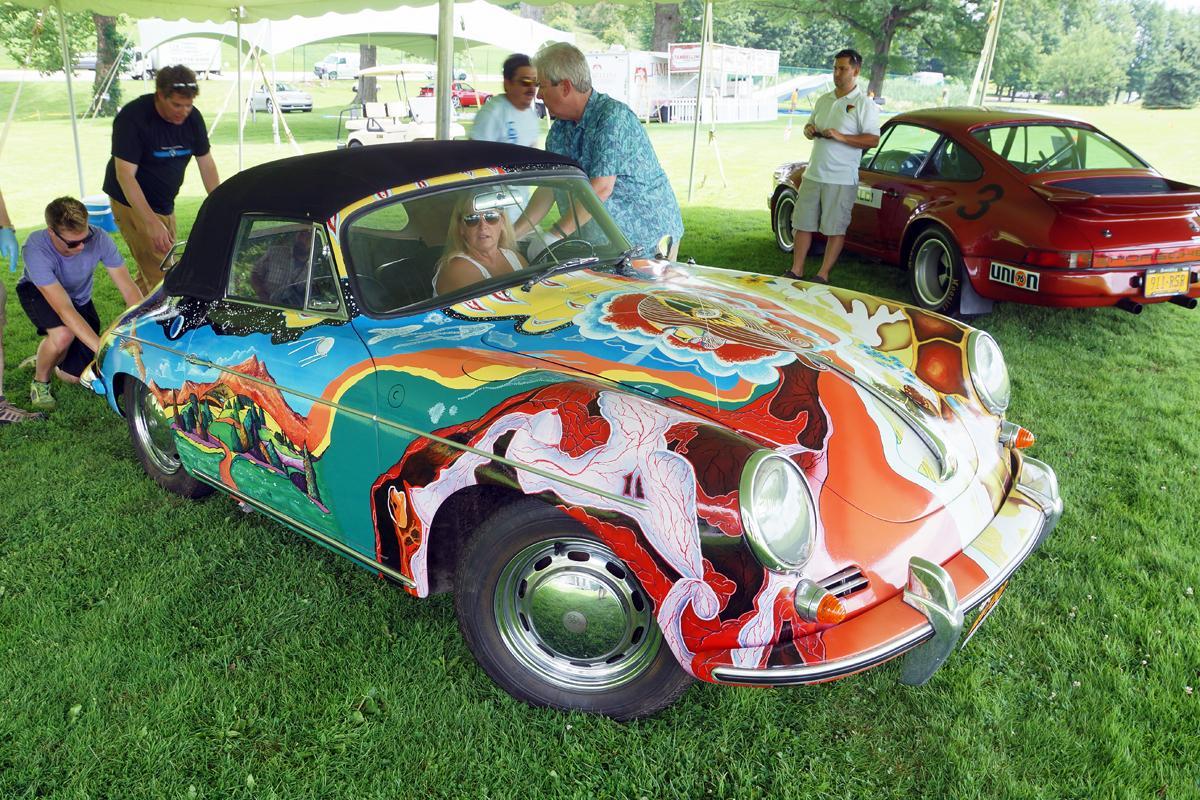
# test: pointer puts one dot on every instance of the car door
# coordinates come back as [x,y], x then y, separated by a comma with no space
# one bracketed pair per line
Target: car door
[282,390]
[891,187]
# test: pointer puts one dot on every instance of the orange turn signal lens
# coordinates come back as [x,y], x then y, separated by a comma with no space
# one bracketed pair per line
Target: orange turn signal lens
[830,611]
[1013,435]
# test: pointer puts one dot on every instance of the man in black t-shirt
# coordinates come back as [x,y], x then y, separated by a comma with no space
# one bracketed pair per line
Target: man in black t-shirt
[153,139]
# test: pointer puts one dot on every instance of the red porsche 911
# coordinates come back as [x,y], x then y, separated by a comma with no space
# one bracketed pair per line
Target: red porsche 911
[982,204]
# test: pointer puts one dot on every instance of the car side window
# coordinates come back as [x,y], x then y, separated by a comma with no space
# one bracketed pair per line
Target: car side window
[273,261]
[951,162]
[868,155]
[905,150]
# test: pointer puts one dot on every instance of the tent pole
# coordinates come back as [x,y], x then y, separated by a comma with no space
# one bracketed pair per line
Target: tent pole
[241,110]
[991,57]
[445,66]
[68,68]
[700,76]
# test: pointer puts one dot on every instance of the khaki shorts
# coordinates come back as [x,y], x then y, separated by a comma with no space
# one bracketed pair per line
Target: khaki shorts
[823,207]
[141,247]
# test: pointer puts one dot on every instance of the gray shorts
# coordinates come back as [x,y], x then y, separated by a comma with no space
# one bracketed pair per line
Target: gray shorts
[823,207]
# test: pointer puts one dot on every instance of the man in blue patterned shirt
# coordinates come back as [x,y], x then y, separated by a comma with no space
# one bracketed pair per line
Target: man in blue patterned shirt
[606,138]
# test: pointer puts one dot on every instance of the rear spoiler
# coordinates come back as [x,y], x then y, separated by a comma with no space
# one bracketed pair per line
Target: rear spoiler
[1074,201]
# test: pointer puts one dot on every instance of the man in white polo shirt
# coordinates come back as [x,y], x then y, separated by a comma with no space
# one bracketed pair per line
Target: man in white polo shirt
[844,123]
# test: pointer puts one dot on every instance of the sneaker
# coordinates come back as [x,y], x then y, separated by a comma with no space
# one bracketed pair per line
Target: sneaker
[10,413]
[40,397]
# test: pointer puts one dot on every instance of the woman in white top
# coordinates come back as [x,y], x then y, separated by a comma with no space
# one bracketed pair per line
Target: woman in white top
[479,245]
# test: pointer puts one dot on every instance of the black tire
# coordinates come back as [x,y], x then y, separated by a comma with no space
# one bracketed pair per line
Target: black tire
[935,271]
[332,76]
[517,572]
[354,143]
[154,442]
[456,102]
[781,219]
[270,106]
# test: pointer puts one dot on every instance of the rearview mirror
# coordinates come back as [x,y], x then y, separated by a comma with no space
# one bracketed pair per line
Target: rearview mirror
[500,198]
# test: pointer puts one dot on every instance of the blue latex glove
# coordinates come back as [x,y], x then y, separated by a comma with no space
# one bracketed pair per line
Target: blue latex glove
[9,249]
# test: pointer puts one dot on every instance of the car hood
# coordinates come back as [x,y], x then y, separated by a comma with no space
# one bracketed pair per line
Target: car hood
[815,372]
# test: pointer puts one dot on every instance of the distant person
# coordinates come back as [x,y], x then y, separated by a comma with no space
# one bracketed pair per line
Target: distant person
[510,117]
[608,140]
[153,139]
[280,276]
[9,252]
[56,293]
[844,122]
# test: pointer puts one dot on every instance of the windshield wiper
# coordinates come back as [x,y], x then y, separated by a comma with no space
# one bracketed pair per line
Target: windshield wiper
[626,259]
[570,265]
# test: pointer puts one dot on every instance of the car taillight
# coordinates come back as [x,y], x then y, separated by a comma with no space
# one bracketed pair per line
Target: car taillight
[1060,259]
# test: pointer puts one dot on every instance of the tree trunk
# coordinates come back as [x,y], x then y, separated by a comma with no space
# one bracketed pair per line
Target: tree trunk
[108,50]
[530,11]
[368,89]
[666,26]
[879,64]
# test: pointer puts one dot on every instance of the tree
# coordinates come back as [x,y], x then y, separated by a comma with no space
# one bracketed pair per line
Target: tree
[1176,84]
[110,51]
[666,26]
[1153,39]
[368,89]
[1087,65]
[877,23]
[31,36]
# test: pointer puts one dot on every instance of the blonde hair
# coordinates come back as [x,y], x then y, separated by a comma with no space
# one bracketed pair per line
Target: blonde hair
[66,212]
[456,245]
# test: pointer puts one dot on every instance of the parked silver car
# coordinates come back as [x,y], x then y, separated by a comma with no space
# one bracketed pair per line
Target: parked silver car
[289,98]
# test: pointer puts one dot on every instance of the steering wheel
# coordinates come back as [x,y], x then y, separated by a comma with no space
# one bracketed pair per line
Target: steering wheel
[373,290]
[563,249]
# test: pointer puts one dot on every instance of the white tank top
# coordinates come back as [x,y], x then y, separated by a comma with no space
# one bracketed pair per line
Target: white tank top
[513,262]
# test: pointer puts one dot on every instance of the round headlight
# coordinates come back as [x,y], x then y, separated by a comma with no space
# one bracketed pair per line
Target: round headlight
[989,373]
[778,513]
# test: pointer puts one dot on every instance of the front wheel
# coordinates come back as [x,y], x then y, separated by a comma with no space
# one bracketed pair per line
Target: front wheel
[935,271]
[153,440]
[556,619]
[781,216]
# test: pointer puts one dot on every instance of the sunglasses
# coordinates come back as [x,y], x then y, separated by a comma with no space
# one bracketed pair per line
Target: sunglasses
[471,220]
[184,86]
[78,242]
[526,82]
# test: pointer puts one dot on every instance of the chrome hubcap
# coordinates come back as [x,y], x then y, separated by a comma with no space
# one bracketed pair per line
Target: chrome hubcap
[568,610]
[154,431]
[783,221]
[933,269]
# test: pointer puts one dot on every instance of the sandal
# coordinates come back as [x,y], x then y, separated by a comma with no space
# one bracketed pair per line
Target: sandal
[819,279]
[792,275]
[10,413]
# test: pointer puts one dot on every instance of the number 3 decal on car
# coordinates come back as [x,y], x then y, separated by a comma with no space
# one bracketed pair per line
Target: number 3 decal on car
[992,189]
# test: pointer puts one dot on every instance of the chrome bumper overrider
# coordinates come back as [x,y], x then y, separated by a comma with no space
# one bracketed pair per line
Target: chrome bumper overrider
[91,379]
[931,591]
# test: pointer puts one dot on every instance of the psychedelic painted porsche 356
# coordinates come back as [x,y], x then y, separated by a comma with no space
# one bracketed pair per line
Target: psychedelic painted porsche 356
[630,472]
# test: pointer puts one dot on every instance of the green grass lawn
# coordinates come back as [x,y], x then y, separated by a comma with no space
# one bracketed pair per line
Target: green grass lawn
[153,647]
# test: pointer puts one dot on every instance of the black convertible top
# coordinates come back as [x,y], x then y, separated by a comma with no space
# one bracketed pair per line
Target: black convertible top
[316,186]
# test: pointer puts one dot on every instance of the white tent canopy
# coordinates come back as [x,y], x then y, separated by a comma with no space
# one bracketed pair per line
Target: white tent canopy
[408,28]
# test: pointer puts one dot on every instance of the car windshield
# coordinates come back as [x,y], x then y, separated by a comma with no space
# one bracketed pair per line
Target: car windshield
[1056,148]
[463,242]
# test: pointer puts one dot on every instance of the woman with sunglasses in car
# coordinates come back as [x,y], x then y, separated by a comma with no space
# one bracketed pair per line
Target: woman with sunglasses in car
[479,245]
[56,293]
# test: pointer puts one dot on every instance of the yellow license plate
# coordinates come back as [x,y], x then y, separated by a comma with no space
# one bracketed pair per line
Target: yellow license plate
[1166,282]
[983,613]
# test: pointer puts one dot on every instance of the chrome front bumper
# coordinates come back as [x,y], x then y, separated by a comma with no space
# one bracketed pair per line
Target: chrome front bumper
[1034,503]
